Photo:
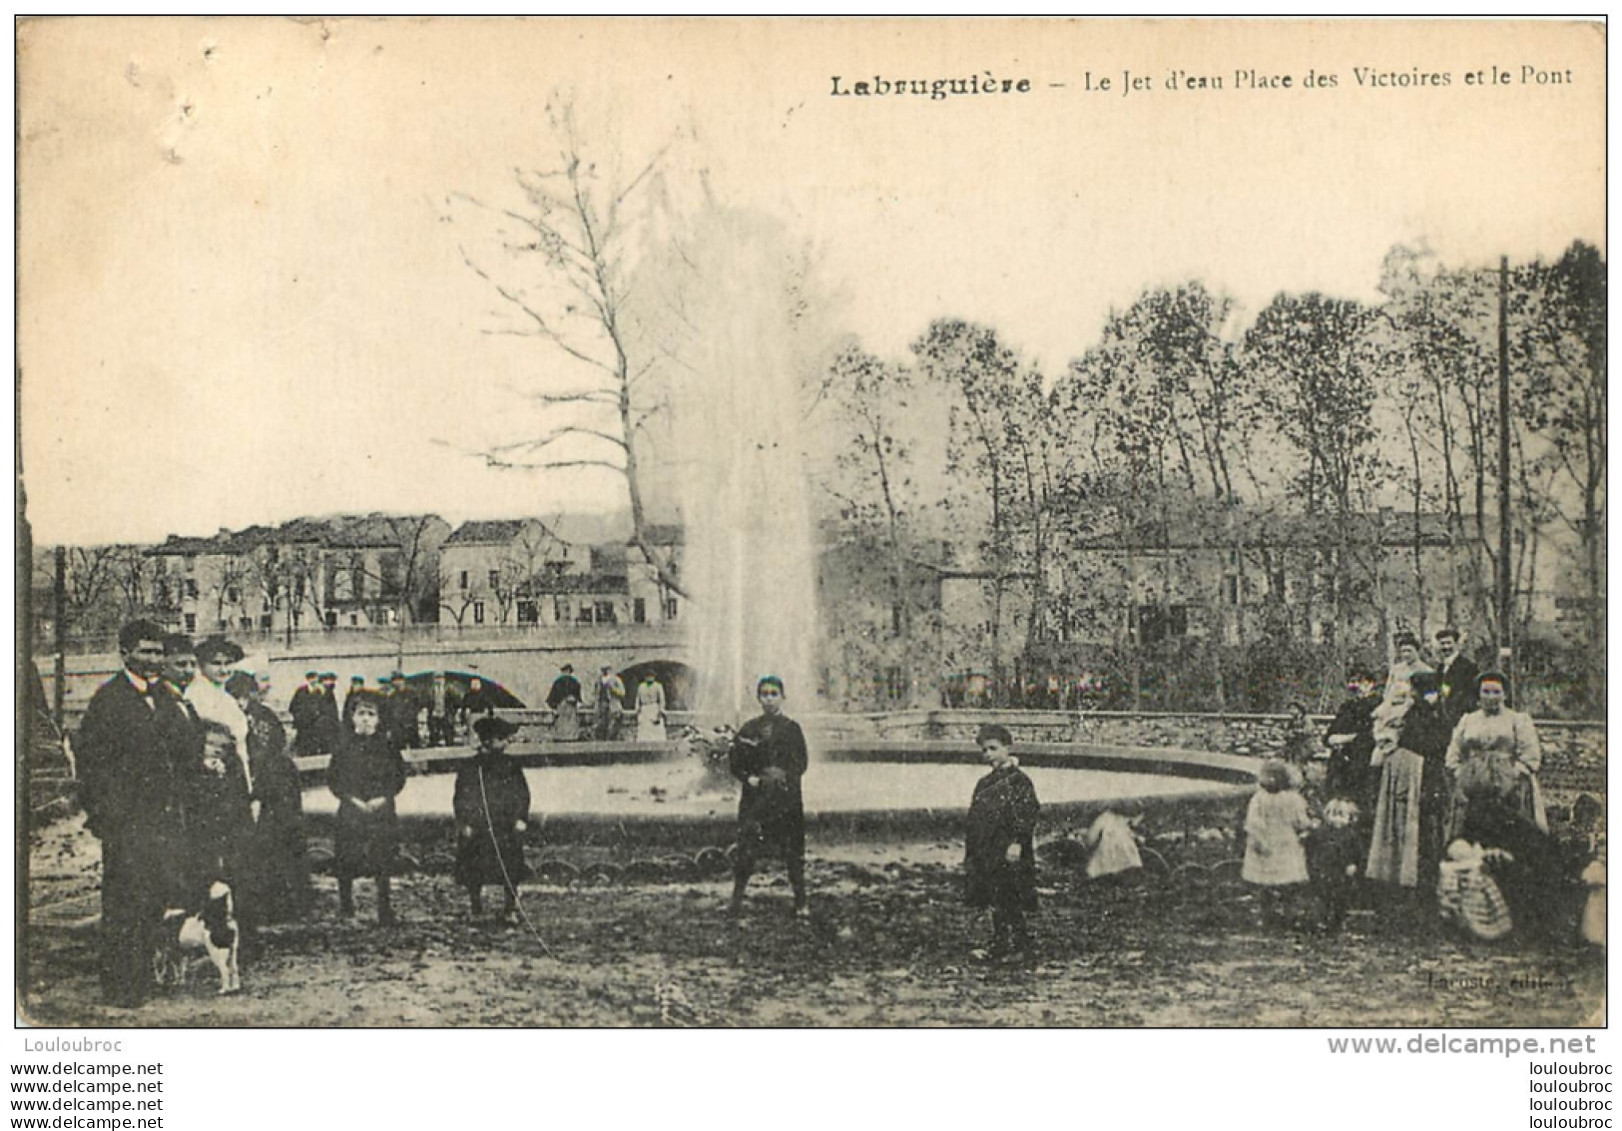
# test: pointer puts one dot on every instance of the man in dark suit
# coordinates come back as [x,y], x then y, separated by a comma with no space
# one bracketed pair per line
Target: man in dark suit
[1459,675]
[400,710]
[305,709]
[329,725]
[134,749]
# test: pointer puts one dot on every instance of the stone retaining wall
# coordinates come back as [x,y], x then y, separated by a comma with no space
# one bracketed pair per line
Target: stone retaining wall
[1573,752]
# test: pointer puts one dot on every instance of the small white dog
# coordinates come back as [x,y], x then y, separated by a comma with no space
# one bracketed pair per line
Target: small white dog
[211,931]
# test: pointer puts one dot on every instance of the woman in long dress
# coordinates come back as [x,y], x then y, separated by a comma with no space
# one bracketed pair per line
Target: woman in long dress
[650,710]
[278,873]
[1498,804]
[1495,755]
[1406,848]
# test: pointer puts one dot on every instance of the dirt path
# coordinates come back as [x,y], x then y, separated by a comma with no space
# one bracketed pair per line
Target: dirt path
[888,945]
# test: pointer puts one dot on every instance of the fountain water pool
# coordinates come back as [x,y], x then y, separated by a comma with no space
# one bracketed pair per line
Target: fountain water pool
[873,790]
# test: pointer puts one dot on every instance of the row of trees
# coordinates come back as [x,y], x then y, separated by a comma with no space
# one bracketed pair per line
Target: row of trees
[1315,415]
[1321,413]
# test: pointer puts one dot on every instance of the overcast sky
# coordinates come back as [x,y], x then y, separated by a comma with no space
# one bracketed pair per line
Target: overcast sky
[241,300]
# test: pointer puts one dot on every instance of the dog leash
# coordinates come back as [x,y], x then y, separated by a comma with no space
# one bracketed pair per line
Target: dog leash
[506,876]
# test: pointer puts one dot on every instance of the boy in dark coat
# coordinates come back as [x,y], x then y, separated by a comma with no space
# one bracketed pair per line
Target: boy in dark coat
[366,775]
[1001,859]
[768,755]
[491,804]
[1335,854]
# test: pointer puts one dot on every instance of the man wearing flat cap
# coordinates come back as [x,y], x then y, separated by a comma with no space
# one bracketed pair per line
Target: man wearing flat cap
[491,804]
[400,708]
[329,727]
[305,708]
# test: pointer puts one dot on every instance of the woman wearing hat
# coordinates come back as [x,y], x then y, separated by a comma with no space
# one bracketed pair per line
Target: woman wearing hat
[366,775]
[278,875]
[491,803]
[1407,662]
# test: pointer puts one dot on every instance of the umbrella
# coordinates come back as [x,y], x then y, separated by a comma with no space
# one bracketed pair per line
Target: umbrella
[456,688]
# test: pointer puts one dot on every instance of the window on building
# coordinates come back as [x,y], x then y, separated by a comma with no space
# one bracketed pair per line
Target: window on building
[332,618]
[639,610]
[604,613]
[245,623]
[461,582]
[354,620]
[478,612]
[895,618]
[584,615]
[529,612]
[266,622]
[1161,622]
[1230,589]
[495,579]
[390,574]
[191,622]
[670,608]
[191,587]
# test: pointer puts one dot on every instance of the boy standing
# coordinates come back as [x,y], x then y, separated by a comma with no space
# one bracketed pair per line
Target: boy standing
[1001,858]
[768,756]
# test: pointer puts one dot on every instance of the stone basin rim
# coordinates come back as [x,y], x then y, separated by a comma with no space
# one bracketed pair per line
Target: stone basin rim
[1234,769]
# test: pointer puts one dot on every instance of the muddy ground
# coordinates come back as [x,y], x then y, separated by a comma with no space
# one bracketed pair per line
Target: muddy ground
[888,944]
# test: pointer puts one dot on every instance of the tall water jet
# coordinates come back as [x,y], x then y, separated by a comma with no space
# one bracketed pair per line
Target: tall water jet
[739,425]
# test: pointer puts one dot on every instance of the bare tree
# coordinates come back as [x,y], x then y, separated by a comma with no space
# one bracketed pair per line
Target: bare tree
[572,234]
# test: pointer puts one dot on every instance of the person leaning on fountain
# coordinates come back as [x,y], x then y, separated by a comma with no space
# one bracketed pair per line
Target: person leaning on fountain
[768,756]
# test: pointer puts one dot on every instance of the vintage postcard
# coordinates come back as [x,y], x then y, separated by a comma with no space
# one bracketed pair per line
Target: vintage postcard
[811,522]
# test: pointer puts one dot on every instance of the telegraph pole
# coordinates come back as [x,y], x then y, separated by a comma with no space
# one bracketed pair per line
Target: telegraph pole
[1505,603]
[60,610]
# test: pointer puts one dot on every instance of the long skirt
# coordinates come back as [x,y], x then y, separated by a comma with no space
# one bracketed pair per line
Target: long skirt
[566,725]
[650,724]
[1394,851]
[277,876]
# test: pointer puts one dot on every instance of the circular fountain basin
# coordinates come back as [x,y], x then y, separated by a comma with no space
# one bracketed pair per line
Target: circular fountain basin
[586,792]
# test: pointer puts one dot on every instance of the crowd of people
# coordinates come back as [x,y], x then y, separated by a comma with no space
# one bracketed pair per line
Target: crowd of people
[441,715]
[1424,786]
[185,778]
[616,713]
[188,781]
